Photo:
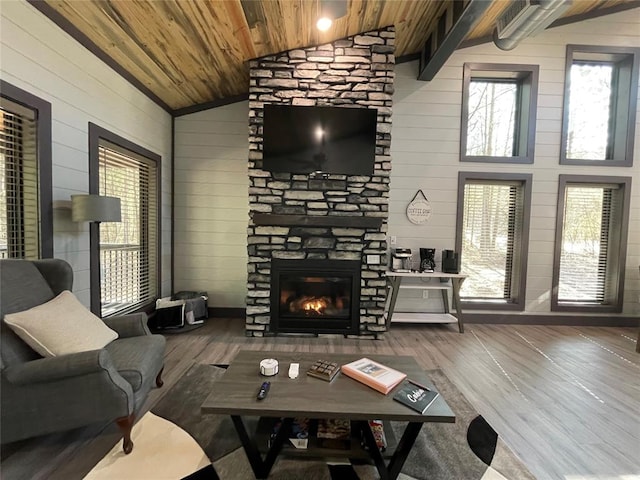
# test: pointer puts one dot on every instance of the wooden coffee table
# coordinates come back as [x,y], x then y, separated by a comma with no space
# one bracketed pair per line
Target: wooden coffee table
[305,396]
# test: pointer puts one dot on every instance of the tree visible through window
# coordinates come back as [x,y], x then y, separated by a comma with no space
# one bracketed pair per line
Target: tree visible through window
[492,118]
[492,236]
[498,113]
[598,124]
[591,243]
[589,111]
[128,249]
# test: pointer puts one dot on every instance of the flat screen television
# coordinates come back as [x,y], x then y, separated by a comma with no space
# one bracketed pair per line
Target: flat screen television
[302,139]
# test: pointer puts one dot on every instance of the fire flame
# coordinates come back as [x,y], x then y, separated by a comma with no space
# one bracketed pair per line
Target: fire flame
[316,305]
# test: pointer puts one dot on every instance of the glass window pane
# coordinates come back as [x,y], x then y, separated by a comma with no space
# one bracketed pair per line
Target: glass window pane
[3,207]
[491,121]
[487,241]
[589,111]
[580,260]
[127,248]
[19,202]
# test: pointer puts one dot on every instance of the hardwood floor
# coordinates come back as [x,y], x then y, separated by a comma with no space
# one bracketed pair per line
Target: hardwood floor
[565,399]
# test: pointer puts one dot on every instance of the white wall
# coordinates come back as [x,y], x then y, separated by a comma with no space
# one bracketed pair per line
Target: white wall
[37,56]
[211,167]
[212,203]
[425,151]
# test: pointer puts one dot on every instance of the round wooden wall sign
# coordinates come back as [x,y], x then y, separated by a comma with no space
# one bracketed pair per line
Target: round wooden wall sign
[419,209]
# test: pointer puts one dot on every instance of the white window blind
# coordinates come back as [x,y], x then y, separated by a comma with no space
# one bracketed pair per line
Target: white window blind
[492,221]
[591,223]
[128,249]
[19,203]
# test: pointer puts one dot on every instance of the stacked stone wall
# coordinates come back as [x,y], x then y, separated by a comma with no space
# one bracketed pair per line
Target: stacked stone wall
[355,72]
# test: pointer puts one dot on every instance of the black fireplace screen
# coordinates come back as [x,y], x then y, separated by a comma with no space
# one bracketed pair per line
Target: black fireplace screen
[315,296]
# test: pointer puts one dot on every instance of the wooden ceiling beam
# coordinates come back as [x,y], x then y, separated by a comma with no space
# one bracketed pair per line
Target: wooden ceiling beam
[447,32]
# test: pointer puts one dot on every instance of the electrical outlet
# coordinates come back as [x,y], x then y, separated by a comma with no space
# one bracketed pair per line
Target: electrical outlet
[393,240]
[425,293]
[373,259]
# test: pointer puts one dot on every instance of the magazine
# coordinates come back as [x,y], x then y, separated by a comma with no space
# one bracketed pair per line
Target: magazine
[299,435]
[414,396]
[334,433]
[373,374]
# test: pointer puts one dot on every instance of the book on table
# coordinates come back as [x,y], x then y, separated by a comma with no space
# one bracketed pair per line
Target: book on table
[373,374]
[416,397]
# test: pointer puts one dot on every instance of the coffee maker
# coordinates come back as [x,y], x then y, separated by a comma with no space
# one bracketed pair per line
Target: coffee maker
[401,260]
[427,260]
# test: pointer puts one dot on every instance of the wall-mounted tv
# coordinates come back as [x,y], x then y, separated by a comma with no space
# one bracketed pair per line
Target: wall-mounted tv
[302,139]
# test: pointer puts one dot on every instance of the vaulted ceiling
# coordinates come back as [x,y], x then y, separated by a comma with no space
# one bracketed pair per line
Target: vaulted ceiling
[184,53]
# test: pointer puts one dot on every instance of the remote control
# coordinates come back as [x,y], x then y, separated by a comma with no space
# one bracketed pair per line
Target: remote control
[264,389]
[294,369]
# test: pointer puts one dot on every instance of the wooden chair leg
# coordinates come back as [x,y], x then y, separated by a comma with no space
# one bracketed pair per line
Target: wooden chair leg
[159,381]
[126,424]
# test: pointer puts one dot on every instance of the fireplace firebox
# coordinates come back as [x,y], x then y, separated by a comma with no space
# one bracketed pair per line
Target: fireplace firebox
[315,296]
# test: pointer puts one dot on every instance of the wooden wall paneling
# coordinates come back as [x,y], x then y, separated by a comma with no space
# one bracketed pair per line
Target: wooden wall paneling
[487,24]
[198,41]
[189,53]
[425,150]
[211,204]
[412,32]
[39,57]
[300,25]
[102,28]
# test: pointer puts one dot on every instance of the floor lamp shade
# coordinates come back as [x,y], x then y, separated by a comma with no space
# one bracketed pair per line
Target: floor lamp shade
[95,208]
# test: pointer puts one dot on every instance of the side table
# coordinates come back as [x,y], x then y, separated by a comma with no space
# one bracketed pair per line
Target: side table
[394,282]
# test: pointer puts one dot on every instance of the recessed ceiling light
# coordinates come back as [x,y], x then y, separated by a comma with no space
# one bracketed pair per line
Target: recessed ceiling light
[324,24]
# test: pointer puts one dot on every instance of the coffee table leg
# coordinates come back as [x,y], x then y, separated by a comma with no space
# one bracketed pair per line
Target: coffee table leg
[391,471]
[261,468]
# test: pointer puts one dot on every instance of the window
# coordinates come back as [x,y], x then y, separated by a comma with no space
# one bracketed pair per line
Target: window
[601,87]
[591,243]
[498,113]
[128,250]
[25,175]
[492,235]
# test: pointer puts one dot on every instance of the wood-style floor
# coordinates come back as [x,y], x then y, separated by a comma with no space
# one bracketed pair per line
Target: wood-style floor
[565,399]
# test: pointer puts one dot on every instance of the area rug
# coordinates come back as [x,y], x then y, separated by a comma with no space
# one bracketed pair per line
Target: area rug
[162,450]
[469,449]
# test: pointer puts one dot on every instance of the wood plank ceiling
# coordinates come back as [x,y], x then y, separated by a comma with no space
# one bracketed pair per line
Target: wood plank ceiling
[192,52]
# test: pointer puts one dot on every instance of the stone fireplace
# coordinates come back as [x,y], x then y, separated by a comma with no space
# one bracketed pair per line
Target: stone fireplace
[315,296]
[317,242]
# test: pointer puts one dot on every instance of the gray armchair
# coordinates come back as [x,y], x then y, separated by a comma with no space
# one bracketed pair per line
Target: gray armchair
[44,395]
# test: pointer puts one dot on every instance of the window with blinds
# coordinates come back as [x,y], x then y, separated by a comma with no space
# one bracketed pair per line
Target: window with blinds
[588,256]
[19,202]
[128,249]
[492,232]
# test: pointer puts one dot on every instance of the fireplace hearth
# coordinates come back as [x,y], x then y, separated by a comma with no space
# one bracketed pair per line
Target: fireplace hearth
[315,296]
